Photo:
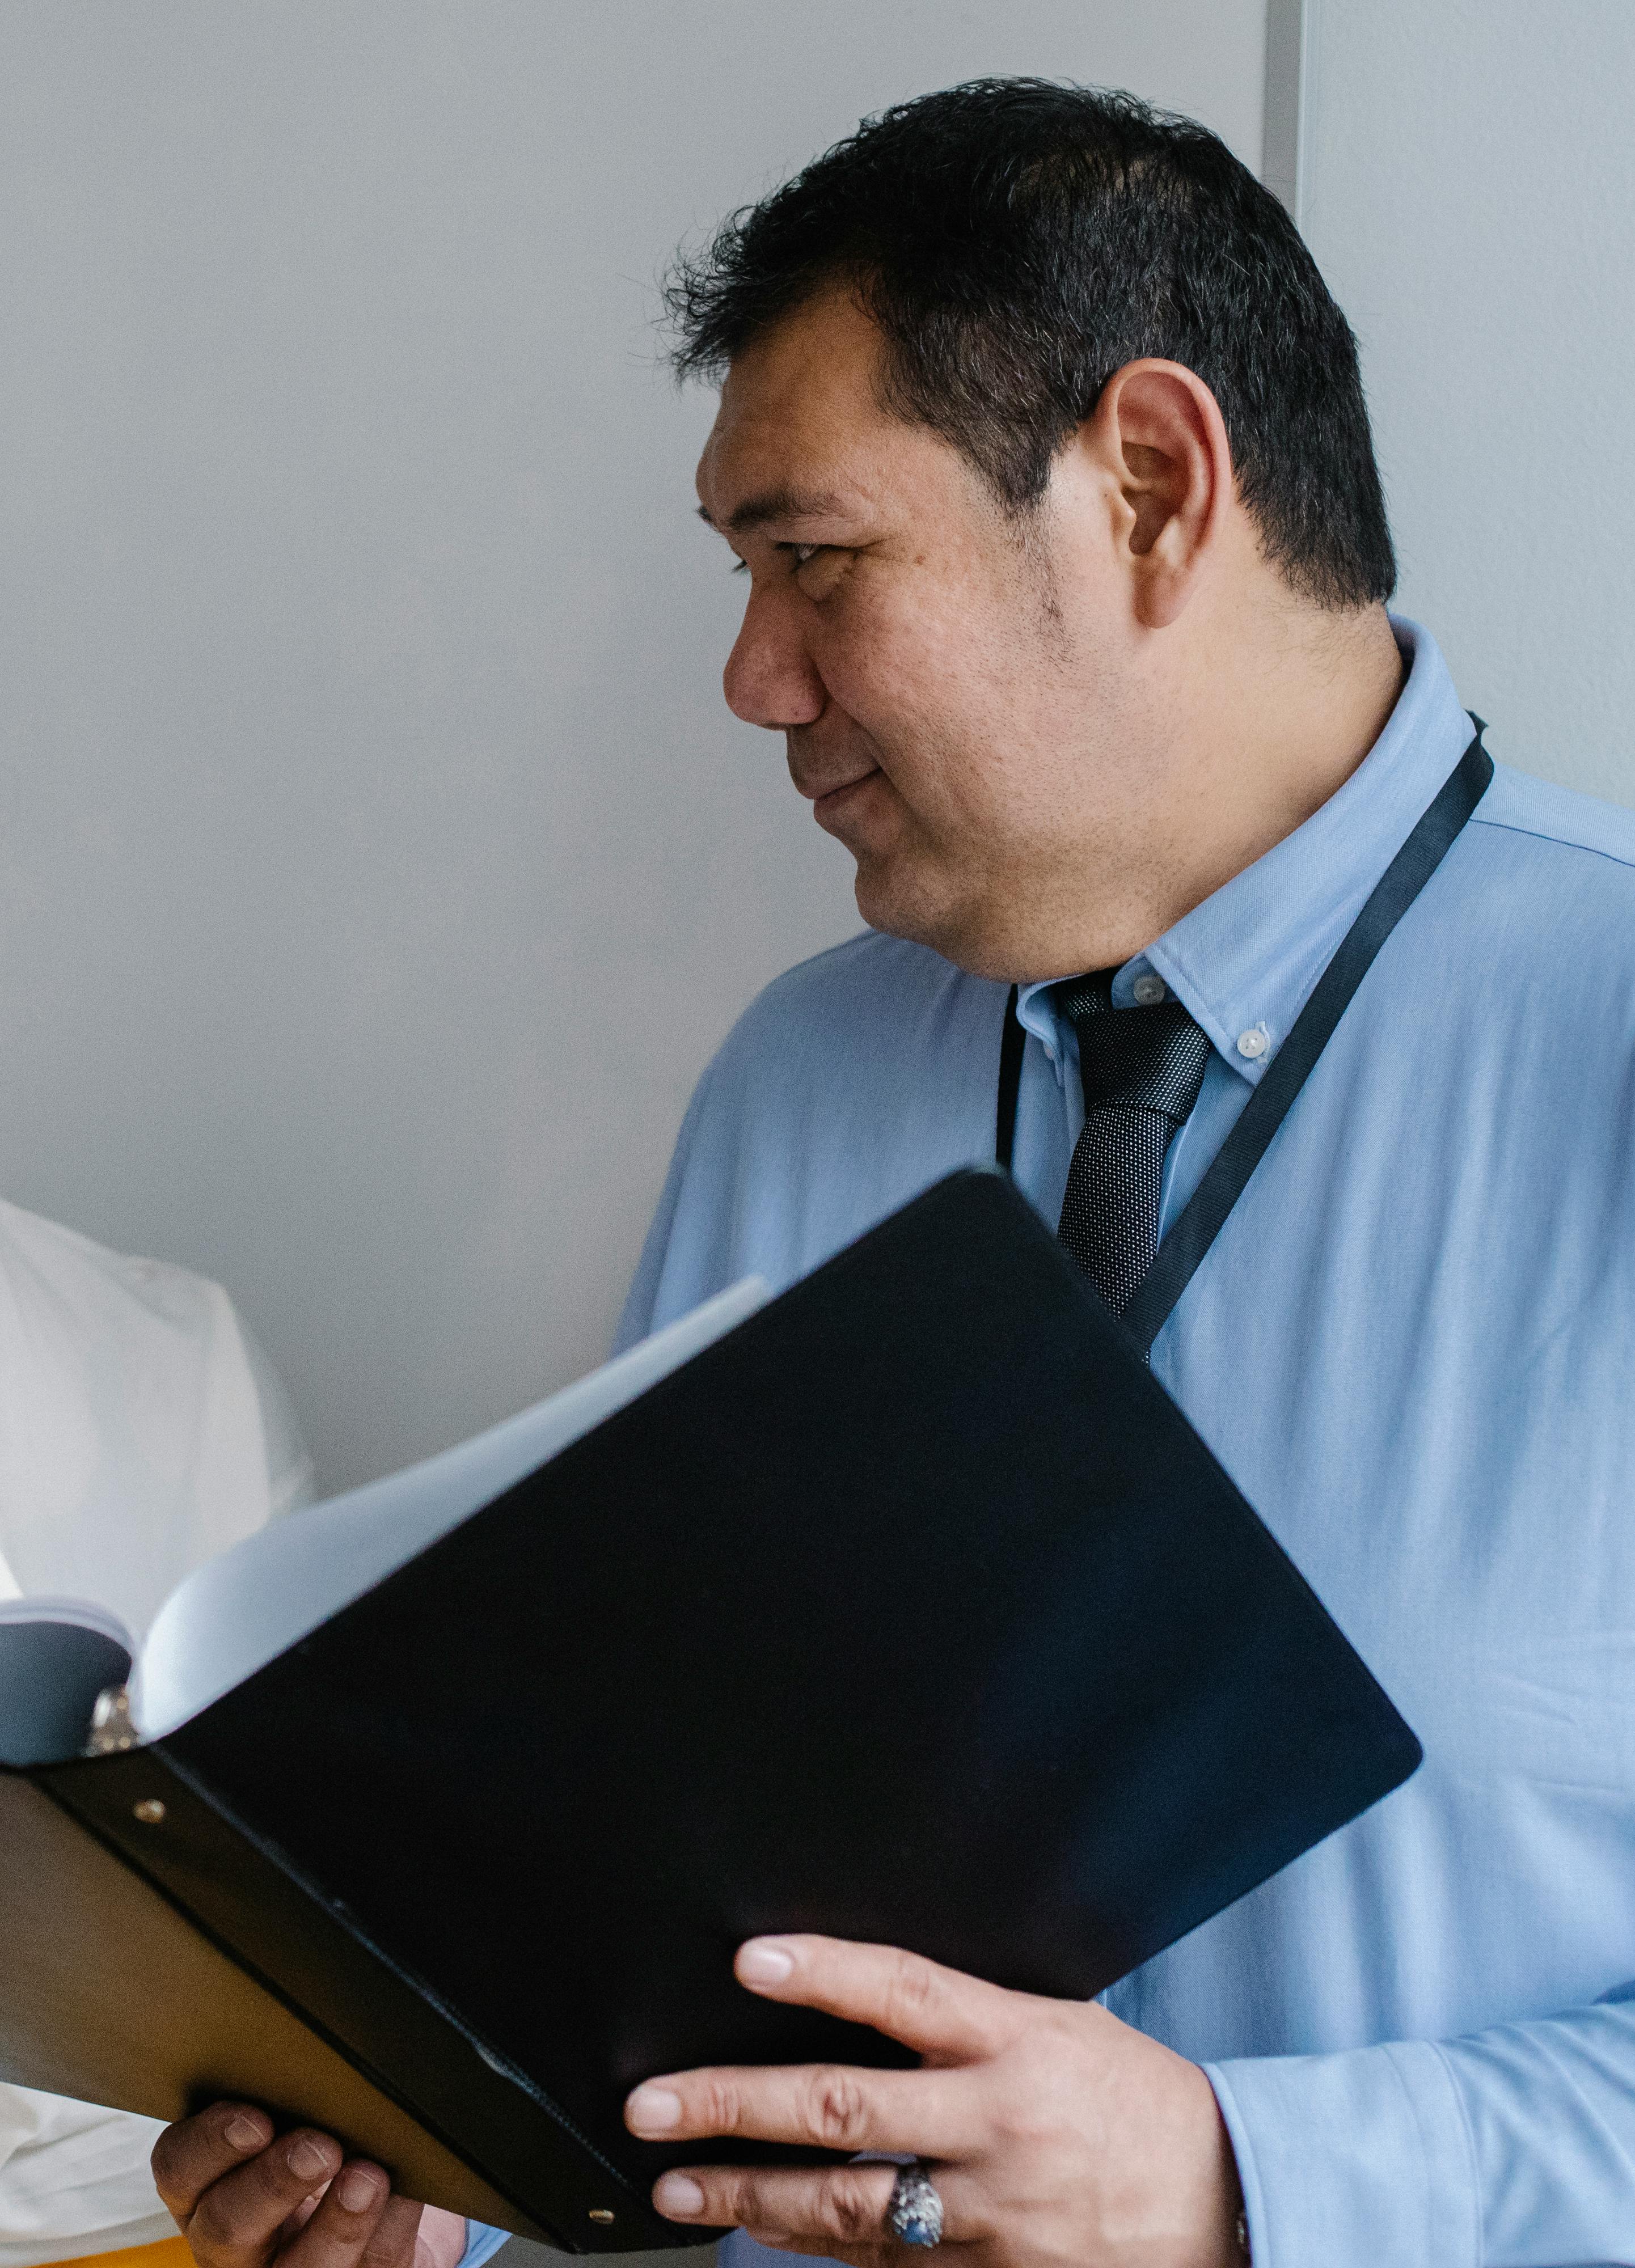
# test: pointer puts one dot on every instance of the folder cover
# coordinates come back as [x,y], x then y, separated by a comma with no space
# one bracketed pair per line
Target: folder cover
[913,1609]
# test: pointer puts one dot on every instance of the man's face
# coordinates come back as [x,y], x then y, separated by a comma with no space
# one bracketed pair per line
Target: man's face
[948,680]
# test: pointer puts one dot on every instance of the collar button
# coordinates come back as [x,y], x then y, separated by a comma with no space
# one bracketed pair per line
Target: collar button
[1254,1042]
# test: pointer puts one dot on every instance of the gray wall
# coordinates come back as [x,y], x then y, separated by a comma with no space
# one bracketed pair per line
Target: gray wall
[377,865]
[1468,184]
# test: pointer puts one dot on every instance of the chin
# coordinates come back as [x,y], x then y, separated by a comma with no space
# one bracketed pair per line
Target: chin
[901,902]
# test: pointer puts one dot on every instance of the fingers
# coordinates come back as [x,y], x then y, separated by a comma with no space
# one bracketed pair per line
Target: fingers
[357,2220]
[394,2239]
[195,2151]
[845,2206]
[236,2194]
[839,2209]
[239,2220]
[440,2241]
[946,2015]
[929,2113]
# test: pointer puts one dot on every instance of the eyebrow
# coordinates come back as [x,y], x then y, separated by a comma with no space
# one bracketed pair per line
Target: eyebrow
[773,503]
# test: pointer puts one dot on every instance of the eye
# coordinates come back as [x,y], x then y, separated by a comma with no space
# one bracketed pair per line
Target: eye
[819,570]
[740,567]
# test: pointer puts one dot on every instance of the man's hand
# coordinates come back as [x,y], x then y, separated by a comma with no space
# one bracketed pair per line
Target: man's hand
[245,2201]
[1055,2134]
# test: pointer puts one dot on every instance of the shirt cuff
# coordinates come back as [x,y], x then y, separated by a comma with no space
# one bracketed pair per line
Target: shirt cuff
[481,2244]
[1362,2160]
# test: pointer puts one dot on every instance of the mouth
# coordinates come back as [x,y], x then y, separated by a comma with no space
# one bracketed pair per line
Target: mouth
[831,801]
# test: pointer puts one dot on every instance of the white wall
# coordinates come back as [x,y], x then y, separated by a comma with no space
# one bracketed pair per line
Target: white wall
[378,866]
[1468,185]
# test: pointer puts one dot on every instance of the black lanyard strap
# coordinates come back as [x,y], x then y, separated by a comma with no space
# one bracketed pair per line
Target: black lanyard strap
[1182,1250]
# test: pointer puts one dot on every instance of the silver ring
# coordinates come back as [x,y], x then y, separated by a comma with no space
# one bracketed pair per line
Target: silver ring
[914,2214]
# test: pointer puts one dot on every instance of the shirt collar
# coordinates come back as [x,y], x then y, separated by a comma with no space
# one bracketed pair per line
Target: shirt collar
[1245,961]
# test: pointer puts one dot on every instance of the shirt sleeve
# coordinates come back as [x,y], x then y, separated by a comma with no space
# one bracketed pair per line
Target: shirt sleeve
[289,1463]
[1511,2148]
[481,2244]
[673,1266]
[73,2180]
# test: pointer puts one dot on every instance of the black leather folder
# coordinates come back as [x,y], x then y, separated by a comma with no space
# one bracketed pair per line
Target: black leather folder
[911,1610]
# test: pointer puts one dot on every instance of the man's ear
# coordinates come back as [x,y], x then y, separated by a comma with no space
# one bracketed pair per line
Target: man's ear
[1159,437]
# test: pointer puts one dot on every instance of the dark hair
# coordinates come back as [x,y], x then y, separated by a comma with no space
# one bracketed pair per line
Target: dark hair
[1017,241]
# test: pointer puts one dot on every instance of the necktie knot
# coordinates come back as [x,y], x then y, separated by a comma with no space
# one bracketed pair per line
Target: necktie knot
[1149,1058]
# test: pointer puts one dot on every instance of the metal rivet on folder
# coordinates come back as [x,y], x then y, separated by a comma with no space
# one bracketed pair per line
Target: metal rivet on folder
[601,2212]
[150,1811]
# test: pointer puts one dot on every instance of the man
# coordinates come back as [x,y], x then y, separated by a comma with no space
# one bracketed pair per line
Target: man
[1044,450]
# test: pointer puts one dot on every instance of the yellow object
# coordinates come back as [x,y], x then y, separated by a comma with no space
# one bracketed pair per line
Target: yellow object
[169,2252]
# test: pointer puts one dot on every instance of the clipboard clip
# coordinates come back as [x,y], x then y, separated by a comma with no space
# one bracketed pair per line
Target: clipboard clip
[112,1732]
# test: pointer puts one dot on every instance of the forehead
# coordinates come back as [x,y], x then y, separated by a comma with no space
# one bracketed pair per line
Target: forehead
[800,416]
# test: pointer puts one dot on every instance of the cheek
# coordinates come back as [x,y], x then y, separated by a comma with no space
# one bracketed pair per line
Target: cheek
[929,671]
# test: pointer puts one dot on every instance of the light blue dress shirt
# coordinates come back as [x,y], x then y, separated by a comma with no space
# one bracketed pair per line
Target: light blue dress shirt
[1411,1346]
[483,2242]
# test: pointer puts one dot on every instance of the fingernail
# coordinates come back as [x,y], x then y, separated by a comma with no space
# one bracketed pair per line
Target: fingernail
[311,2160]
[246,2133]
[357,2189]
[763,1960]
[651,2109]
[678,2197]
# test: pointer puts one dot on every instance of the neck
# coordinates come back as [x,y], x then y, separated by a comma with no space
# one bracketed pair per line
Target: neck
[1237,748]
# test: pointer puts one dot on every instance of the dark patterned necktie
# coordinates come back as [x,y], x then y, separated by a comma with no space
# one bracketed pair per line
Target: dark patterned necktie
[1141,1070]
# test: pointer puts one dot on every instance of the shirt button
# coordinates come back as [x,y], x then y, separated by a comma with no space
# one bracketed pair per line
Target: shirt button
[1148,991]
[1255,1041]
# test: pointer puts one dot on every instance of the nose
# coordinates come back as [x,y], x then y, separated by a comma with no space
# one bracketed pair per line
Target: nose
[770,679]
